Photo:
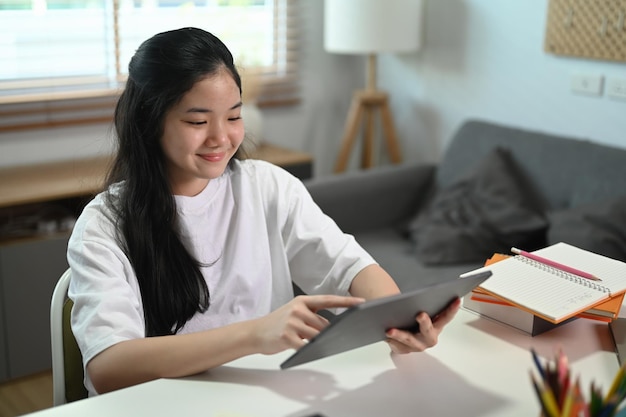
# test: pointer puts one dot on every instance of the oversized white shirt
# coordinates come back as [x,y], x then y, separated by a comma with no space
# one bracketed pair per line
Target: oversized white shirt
[256,227]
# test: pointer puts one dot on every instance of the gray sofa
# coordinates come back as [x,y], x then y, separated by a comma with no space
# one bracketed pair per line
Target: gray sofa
[580,188]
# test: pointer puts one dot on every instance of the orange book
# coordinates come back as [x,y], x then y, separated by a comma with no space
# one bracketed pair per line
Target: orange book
[496,257]
[606,311]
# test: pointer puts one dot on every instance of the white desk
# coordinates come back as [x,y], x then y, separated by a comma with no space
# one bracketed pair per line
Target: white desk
[479,368]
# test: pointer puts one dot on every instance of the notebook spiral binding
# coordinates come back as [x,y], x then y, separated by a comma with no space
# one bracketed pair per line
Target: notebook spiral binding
[564,274]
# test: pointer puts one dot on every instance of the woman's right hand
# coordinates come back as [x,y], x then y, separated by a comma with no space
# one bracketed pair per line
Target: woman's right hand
[296,322]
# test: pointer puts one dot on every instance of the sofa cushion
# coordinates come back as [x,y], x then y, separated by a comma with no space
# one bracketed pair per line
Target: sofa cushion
[565,170]
[598,227]
[489,209]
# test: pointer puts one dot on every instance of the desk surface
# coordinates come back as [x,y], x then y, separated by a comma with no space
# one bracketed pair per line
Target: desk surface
[479,368]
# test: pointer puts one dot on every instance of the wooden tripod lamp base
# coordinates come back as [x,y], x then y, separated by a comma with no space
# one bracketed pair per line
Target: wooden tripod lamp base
[365,105]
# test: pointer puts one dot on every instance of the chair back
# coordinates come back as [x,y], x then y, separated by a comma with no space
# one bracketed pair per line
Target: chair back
[67,363]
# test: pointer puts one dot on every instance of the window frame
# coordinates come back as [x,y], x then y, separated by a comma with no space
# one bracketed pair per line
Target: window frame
[37,110]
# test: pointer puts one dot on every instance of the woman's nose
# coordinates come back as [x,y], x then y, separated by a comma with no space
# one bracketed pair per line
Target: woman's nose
[216,134]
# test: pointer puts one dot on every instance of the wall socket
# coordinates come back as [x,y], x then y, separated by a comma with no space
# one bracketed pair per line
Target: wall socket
[616,88]
[587,84]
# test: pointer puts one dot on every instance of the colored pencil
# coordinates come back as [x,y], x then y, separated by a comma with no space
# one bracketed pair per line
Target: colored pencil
[555,264]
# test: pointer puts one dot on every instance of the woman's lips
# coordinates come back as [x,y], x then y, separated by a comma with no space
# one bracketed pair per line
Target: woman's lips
[213,157]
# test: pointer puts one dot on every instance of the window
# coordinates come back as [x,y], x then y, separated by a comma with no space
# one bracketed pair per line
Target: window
[65,61]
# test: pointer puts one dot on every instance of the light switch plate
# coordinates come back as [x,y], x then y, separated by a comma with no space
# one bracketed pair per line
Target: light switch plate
[616,88]
[587,84]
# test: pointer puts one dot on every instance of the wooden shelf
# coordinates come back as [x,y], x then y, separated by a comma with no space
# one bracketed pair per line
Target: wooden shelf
[52,181]
[82,177]
[281,156]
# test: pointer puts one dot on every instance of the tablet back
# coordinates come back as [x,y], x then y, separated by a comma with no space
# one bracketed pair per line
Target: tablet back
[367,322]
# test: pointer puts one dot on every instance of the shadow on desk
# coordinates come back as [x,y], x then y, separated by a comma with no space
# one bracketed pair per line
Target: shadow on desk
[302,385]
[419,385]
[595,334]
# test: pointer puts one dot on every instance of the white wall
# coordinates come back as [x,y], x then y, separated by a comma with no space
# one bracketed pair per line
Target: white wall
[481,58]
[485,59]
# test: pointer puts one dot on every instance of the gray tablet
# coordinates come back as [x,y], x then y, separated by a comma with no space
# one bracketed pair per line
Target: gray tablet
[367,322]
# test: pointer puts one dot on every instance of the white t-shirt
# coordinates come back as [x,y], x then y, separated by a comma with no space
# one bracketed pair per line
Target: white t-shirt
[258,229]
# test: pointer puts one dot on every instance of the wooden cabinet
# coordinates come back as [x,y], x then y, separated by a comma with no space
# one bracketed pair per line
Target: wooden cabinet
[33,200]
[29,271]
[4,357]
[31,261]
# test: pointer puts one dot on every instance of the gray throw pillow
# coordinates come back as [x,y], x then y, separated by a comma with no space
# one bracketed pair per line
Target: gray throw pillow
[599,227]
[488,210]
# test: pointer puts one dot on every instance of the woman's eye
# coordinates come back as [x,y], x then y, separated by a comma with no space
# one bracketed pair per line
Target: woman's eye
[196,123]
[232,119]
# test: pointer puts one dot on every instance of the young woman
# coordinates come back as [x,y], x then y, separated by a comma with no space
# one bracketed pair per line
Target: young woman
[186,260]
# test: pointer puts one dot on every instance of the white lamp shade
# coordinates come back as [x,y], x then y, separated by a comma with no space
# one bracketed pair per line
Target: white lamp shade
[371,26]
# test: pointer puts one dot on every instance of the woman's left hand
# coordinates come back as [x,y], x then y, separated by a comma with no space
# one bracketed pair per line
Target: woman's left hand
[402,341]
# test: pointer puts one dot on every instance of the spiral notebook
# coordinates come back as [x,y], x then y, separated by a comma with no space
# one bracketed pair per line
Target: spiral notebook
[552,293]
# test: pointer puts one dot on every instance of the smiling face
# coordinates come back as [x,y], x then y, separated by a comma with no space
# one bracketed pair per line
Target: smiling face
[202,133]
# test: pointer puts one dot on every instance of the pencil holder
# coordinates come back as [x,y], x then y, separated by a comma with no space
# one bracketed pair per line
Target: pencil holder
[561,396]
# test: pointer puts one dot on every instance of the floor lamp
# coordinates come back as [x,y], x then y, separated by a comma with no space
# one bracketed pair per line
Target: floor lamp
[369,27]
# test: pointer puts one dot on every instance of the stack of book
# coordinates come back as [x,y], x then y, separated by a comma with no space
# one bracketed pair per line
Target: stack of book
[541,290]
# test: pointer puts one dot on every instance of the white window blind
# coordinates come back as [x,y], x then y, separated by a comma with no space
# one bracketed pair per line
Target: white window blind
[65,61]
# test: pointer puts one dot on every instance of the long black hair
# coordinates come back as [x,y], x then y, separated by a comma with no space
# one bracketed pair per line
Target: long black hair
[163,69]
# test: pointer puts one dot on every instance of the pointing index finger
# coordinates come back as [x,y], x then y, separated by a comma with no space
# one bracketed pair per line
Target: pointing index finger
[319,302]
